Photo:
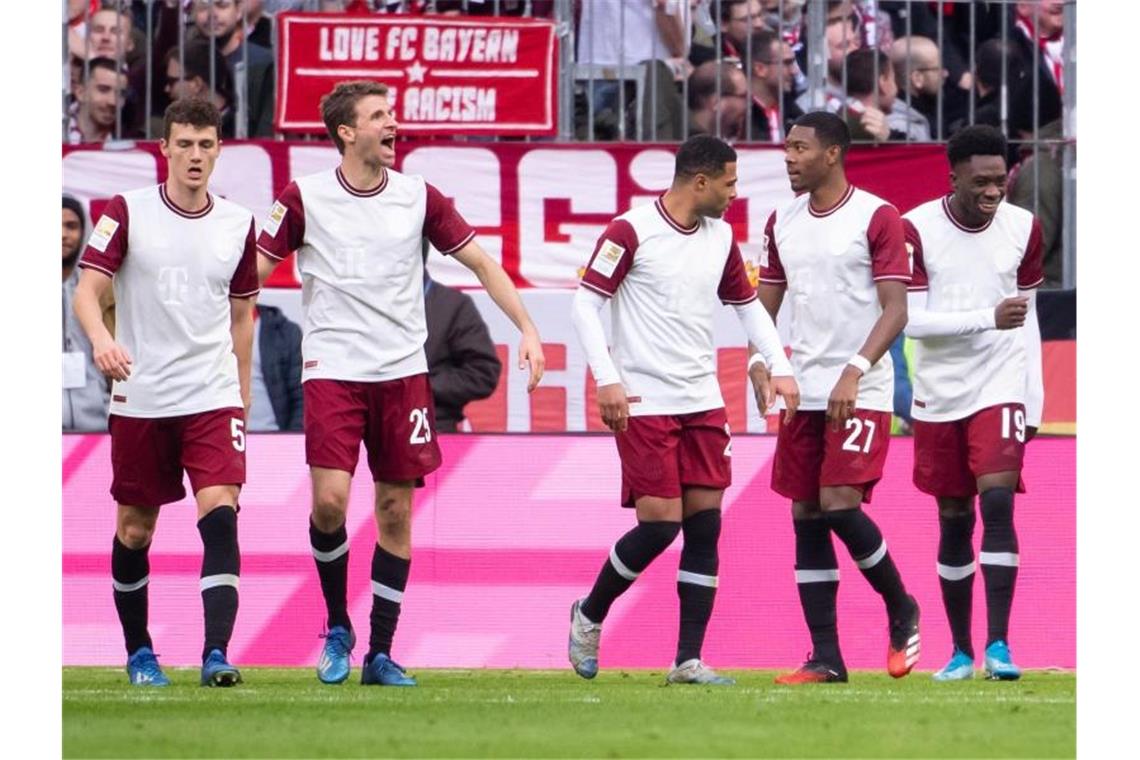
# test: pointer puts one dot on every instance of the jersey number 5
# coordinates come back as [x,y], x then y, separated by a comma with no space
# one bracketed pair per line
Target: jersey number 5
[421,433]
[237,432]
[856,426]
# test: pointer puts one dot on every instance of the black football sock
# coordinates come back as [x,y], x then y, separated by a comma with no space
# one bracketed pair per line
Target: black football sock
[330,552]
[817,580]
[956,569]
[865,543]
[130,576]
[389,579]
[999,560]
[628,558]
[221,567]
[697,581]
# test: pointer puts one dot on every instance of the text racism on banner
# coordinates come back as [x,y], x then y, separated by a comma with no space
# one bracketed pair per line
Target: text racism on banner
[445,76]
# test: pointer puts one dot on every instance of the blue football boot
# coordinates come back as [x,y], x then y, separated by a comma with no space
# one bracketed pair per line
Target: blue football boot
[382,670]
[333,667]
[143,669]
[217,672]
[960,668]
[999,664]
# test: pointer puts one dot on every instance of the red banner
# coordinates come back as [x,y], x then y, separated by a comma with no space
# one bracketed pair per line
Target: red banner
[446,75]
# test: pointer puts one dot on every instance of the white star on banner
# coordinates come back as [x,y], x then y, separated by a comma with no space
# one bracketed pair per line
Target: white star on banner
[416,72]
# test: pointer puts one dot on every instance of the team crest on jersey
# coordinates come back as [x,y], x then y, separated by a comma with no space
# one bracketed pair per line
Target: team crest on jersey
[276,215]
[104,230]
[764,252]
[910,255]
[609,255]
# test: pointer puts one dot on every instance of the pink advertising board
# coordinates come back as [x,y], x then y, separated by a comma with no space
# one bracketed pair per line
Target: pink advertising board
[513,527]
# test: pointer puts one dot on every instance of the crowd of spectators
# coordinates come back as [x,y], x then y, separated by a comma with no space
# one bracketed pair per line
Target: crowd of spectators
[222,49]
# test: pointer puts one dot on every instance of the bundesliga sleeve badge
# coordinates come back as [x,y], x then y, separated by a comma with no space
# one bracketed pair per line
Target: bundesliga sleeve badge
[609,255]
[104,230]
[276,216]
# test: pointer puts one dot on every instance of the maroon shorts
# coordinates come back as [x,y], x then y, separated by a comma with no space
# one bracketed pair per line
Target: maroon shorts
[394,418]
[661,453]
[149,454]
[949,457]
[812,453]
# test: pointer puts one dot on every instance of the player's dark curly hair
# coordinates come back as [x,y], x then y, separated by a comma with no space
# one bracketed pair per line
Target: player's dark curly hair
[975,140]
[703,154]
[197,112]
[829,129]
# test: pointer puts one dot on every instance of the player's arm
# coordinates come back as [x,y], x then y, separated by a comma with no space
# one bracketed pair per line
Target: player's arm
[105,252]
[503,292]
[736,289]
[770,295]
[891,270]
[282,233]
[110,357]
[1030,275]
[265,267]
[244,287]
[605,271]
[1035,381]
[892,320]
[585,315]
[241,332]
[921,323]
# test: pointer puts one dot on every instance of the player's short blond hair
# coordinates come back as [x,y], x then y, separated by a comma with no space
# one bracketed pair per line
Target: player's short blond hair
[339,106]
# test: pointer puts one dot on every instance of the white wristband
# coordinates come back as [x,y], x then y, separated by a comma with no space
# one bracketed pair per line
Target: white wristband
[859,362]
[755,359]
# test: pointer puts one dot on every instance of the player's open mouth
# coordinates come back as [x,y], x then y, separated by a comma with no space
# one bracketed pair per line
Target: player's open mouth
[389,142]
[194,172]
[988,206]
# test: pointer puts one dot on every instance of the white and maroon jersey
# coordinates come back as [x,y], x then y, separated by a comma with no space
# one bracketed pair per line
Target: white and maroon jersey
[174,272]
[964,269]
[830,261]
[361,262]
[666,281]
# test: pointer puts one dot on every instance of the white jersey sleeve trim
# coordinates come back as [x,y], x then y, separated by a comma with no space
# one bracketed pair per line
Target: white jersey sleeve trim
[1034,286]
[1034,381]
[250,294]
[762,334]
[261,249]
[585,314]
[88,265]
[455,248]
[922,323]
[596,289]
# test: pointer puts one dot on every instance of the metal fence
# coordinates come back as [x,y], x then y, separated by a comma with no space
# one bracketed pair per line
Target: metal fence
[633,92]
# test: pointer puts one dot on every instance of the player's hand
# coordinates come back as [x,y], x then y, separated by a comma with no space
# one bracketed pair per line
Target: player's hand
[112,359]
[613,407]
[1030,433]
[787,388]
[1010,313]
[841,403]
[761,387]
[875,122]
[530,350]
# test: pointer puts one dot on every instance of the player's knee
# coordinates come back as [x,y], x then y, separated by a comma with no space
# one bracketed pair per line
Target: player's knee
[997,508]
[659,534]
[393,511]
[330,505]
[951,508]
[806,510]
[702,530]
[135,535]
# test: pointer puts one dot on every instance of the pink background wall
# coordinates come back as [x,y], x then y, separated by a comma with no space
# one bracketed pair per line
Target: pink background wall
[512,528]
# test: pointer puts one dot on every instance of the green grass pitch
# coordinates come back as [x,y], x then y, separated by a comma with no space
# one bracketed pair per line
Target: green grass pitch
[517,713]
